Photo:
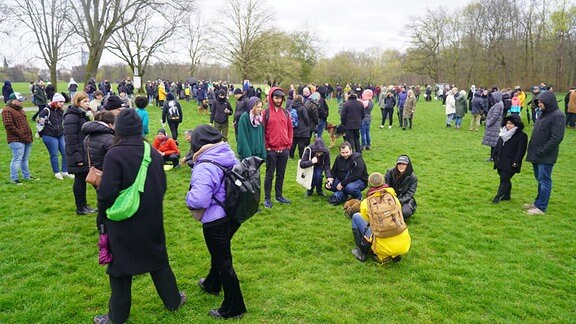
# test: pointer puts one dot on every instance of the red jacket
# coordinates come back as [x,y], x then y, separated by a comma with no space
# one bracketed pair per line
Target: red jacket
[277,126]
[166,146]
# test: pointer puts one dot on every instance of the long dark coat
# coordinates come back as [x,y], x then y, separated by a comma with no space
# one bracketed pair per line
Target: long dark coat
[138,244]
[74,118]
[506,154]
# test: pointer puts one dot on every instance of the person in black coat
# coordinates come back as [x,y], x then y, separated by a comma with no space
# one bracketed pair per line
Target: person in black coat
[99,137]
[301,133]
[220,112]
[172,113]
[508,154]
[52,135]
[349,175]
[137,244]
[351,117]
[50,91]
[319,159]
[75,116]
[405,182]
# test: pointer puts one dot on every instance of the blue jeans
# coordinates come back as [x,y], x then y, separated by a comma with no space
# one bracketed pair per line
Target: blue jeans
[317,178]
[353,189]
[55,144]
[20,156]
[320,128]
[365,133]
[449,118]
[457,121]
[543,174]
[361,228]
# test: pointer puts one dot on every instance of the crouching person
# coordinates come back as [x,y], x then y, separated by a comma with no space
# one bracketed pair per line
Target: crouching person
[379,227]
[349,176]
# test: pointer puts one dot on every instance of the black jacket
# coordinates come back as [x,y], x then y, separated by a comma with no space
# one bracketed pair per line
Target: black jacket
[165,111]
[352,114]
[349,170]
[138,244]
[511,152]
[99,139]
[53,125]
[323,110]
[323,160]
[74,118]
[304,122]
[548,132]
[241,107]
[217,114]
[405,185]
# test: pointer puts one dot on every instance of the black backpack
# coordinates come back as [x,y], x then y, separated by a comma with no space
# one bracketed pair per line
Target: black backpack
[242,185]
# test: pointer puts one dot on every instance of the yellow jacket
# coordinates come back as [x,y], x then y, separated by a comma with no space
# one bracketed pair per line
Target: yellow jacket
[161,92]
[385,247]
[522,98]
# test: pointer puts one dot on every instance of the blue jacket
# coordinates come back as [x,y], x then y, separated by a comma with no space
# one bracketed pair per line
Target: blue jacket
[206,182]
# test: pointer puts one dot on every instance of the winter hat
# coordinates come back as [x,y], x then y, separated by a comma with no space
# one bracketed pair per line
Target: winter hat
[16,96]
[237,91]
[222,92]
[278,93]
[376,180]
[128,123]
[58,98]
[403,159]
[252,102]
[204,134]
[113,102]
[161,130]
[315,97]
[169,96]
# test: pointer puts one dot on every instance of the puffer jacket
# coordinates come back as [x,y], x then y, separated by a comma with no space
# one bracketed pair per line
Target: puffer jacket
[494,121]
[303,129]
[99,139]
[206,182]
[53,125]
[74,118]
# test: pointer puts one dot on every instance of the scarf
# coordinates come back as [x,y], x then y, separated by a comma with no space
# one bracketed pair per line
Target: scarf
[255,120]
[507,134]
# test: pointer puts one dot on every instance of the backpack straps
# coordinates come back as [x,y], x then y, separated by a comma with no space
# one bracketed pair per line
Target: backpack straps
[224,170]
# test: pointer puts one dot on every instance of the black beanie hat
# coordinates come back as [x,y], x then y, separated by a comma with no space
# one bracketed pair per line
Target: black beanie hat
[113,102]
[161,130]
[128,123]
[204,134]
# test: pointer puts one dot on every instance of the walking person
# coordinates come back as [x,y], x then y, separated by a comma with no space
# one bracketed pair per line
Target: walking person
[138,243]
[220,112]
[172,113]
[75,116]
[450,106]
[52,133]
[461,109]
[387,104]
[205,190]
[409,109]
[508,154]
[476,109]
[19,137]
[543,149]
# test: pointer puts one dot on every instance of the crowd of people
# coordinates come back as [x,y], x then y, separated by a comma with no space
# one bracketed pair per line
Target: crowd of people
[106,131]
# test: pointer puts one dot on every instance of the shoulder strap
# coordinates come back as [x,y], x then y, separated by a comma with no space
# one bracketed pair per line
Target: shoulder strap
[224,169]
[141,177]
[88,151]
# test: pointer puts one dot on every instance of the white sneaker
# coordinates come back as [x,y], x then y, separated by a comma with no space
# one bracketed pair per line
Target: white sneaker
[381,126]
[68,175]
[390,127]
[534,211]
[58,176]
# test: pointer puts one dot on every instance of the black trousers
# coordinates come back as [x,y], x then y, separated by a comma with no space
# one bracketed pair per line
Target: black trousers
[79,189]
[174,158]
[121,297]
[353,136]
[301,142]
[387,113]
[505,187]
[173,129]
[222,275]
[275,162]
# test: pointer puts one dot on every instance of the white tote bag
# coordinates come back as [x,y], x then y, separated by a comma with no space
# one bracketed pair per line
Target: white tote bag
[304,175]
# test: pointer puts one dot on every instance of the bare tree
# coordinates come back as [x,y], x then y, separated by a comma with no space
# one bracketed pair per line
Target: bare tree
[146,36]
[237,40]
[197,41]
[97,20]
[46,19]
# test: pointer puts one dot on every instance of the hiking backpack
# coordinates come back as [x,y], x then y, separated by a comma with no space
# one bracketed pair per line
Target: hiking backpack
[242,186]
[385,214]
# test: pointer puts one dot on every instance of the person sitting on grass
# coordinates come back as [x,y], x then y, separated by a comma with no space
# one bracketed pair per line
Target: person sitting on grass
[167,147]
[349,175]
[319,159]
[404,181]
[385,249]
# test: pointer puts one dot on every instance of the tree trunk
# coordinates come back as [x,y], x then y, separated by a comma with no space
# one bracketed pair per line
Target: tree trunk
[93,61]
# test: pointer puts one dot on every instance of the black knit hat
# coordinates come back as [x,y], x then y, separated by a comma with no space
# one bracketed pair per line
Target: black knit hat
[113,102]
[128,123]
[204,134]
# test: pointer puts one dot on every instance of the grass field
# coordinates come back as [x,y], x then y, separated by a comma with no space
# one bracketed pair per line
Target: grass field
[470,261]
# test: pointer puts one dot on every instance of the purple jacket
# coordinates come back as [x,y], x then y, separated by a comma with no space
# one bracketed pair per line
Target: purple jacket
[206,181]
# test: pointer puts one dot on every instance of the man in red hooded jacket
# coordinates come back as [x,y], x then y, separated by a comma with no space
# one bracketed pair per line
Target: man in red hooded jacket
[278,140]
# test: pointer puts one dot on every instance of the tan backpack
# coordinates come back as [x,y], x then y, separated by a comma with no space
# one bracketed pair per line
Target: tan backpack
[385,214]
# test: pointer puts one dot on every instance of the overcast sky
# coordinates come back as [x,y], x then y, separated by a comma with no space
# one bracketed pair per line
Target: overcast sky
[339,24]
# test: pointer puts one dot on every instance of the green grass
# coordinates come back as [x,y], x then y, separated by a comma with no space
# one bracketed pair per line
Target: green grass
[470,261]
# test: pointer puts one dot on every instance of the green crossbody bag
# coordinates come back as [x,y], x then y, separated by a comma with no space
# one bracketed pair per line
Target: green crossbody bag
[128,201]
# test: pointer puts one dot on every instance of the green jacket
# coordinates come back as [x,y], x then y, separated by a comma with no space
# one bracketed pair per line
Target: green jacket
[250,139]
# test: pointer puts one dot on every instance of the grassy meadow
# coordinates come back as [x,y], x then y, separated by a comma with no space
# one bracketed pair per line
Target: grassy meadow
[470,261]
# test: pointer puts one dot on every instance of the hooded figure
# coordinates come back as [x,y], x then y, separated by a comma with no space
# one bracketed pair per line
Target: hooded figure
[172,113]
[221,110]
[493,121]
[404,181]
[318,156]
[7,90]
[206,190]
